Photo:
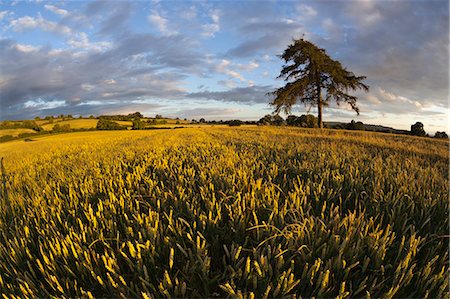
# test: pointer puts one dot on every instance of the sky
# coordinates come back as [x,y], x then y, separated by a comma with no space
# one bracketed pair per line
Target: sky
[219,59]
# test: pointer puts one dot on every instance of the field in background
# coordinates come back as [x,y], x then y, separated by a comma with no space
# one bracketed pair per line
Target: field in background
[78,123]
[15,132]
[216,212]
[88,123]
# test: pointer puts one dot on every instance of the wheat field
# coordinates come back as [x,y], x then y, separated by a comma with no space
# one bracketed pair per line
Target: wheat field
[247,212]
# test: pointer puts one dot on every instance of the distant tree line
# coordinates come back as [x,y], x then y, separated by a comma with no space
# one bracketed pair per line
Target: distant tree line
[304,121]
[108,122]
[418,130]
[310,121]
[129,117]
[440,135]
[26,124]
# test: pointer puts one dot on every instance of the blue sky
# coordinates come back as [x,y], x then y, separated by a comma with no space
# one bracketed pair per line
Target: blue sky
[218,59]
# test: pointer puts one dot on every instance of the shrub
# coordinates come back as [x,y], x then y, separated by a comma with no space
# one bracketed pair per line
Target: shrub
[6,138]
[441,135]
[234,123]
[61,128]
[417,129]
[138,125]
[104,124]
[355,126]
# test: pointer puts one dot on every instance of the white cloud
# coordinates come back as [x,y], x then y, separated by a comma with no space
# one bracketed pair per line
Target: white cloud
[267,57]
[209,30]
[80,40]
[373,99]
[306,10]
[387,95]
[3,14]
[162,23]
[334,31]
[223,68]
[249,66]
[366,12]
[40,104]
[27,22]
[87,87]
[190,13]
[56,10]
[26,48]
[228,83]
[109,81]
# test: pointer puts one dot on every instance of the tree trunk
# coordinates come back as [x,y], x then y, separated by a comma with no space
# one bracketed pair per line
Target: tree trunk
[319,106]
[319,121]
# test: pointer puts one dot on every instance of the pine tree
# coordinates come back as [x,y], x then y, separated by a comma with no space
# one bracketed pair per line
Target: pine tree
[308,71]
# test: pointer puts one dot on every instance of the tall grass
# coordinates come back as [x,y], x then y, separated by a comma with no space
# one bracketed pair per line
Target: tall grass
[256,212]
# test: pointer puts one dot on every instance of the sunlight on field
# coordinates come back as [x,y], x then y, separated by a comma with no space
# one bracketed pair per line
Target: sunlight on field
[218,211]
[15,132]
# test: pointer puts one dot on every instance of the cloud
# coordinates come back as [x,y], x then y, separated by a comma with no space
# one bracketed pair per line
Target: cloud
[267,37]
[27,23]
[56,10]
[207,113]
[210,29]
[390,43]
[190,13]
[81,40]
[161,23]
[64,75]
[3,14]
[223,68]
[245,95]
[115,24]
[252,65]
[26,48]
[40,104]
[116,53]
[306,11]
[380,100]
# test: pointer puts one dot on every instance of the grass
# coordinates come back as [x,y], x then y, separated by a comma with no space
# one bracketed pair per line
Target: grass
[216,212]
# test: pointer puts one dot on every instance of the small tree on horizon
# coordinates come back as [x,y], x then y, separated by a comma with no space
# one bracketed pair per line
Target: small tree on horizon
[441,135]
[309,70]
[417,129]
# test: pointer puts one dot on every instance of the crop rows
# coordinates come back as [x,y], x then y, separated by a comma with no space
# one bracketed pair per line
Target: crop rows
[256,212]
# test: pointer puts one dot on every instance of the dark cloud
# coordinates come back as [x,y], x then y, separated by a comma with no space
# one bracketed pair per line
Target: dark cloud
[207,113]
[266,37]
[401,46]
[148,109]
[245,95]
[254,46]
[106,62]
[115,24]
[72,76]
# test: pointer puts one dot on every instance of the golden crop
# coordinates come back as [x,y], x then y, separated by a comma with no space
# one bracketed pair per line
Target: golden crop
[245,212]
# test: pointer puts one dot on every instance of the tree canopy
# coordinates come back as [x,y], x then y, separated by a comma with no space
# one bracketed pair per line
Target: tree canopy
[417,129]
[308,70]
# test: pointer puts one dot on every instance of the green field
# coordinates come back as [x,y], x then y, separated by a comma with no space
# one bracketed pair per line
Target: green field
[250,212]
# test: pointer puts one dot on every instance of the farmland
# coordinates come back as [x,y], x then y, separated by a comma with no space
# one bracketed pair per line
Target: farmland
[15,132]
[216,212]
